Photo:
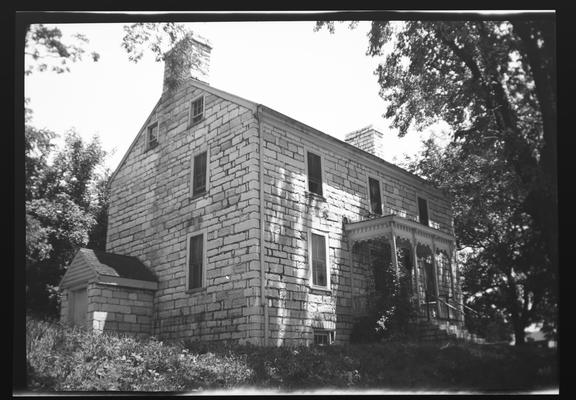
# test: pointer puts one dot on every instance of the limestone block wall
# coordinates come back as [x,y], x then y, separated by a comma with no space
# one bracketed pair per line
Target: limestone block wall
[296,308]
[152,211]
[64,306]
[120,309]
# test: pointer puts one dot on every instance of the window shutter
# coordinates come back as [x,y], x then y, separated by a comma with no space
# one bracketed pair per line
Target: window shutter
[318,260]
[423,211]
[199,181]
[375,197]
[314,173]
[196,260]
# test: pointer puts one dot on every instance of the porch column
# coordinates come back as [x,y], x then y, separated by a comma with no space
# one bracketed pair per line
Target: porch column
[454,277]
[435,269]
[394,253]
[415,266]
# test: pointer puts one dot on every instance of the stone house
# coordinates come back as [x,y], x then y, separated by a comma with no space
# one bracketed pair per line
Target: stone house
[242,224]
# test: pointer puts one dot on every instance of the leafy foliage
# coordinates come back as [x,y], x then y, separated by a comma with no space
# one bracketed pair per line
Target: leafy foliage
[64,359]
[494,83]
[47,51]
[506,272]
[391,311]
[155,37]
[65,199]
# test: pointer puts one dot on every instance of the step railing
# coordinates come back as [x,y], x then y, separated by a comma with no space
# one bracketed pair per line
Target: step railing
[455,306]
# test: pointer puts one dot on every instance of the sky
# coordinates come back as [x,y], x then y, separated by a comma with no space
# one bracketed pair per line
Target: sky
[323,80]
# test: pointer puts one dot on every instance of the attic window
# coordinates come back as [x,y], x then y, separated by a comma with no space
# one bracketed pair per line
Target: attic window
[152,137]
[196,110]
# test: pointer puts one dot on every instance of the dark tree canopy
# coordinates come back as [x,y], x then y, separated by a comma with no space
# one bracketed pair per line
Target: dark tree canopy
[494,83]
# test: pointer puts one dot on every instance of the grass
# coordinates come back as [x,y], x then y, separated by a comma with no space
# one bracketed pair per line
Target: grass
[64,359]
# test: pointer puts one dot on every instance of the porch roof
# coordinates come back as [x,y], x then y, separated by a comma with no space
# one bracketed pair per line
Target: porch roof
[386,225]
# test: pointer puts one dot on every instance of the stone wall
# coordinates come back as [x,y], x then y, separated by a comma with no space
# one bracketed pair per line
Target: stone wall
[64,307]
[295,308]
[119,308]
[152,212]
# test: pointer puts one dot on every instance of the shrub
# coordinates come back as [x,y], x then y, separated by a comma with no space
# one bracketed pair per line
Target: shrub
[64,359]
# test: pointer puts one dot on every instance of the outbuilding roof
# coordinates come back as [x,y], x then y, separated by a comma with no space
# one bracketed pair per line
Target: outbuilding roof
[94,265]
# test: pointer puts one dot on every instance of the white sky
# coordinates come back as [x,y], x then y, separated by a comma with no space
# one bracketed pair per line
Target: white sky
[323,80]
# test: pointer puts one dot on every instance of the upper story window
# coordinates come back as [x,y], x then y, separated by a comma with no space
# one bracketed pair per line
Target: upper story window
[199,173]
[423,211]
[319,260]
[196,110]
[195,261]
[375,196]
[152,136]
[314,173]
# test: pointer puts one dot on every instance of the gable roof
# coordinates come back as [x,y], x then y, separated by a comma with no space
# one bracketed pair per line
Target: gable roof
[279,116]
[99,266]
[200,85]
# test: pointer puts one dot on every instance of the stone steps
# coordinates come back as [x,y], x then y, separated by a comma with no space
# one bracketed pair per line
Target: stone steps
[442,331]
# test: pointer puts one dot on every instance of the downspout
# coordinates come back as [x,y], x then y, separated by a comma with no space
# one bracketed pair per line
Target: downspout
[263,300]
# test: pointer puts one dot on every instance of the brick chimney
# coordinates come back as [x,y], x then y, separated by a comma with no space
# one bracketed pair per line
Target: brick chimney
[367,139]
[188,58]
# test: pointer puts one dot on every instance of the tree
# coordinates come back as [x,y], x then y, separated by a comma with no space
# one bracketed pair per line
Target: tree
[66,200]
[63,201]
[155,37]
[505,268]
[46,50]
[493,83]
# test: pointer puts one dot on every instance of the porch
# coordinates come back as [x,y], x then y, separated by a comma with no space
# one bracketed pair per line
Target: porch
[421,255]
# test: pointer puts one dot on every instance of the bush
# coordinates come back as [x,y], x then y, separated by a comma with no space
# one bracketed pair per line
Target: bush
[64,359]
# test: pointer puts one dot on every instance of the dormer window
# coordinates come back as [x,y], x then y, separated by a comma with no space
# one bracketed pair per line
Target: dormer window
[196,110]
[152,137]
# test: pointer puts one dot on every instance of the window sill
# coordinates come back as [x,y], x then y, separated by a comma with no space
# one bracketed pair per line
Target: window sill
[316,196]
[193,124]
[320,290]
[196,290]
[151,147]
[198,195]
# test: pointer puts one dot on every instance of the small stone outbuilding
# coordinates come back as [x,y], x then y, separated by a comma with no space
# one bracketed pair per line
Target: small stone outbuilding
[108,292]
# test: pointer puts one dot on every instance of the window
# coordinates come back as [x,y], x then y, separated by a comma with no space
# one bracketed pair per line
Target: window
[375,197]
[423,211]
[199,174]
[323,338]
[195,261]
[152,138]
[196,110]
[319,260]
[314,173]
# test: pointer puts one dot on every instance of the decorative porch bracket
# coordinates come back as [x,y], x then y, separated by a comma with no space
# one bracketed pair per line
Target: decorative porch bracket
[405,228]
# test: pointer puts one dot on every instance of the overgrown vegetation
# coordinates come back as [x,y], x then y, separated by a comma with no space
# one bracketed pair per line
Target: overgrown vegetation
[391,311]
[63,359]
